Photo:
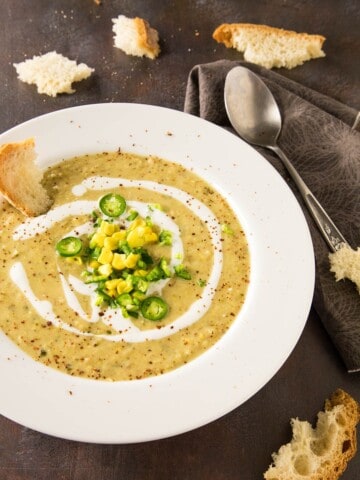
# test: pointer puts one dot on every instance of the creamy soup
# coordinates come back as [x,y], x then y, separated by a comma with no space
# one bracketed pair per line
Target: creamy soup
[48,310]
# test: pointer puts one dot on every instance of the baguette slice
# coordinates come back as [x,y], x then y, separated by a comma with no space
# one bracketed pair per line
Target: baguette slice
[345,263]
[20,178]
[321,453]
[134,36]
[269,46]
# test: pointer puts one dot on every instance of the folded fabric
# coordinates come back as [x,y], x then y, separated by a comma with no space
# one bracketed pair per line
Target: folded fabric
[318,138]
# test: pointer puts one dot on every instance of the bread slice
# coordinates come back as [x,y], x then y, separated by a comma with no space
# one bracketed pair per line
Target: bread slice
[269,46]
[320,453]
[20,178]
[52,73]
[135,37]
[345,263]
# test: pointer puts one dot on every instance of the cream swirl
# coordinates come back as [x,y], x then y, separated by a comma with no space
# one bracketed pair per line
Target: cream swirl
[127,331]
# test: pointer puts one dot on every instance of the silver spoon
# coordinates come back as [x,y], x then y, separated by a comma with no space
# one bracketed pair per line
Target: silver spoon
[254,114]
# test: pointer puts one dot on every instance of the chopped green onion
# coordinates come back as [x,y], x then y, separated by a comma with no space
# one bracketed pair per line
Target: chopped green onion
[132,215]
[155,274]
[140,284]
[103,297]
[124,247]
[149,222]
[155,206]
[165,268]
[145,257]
[225,228]
[181,272]
[165,238]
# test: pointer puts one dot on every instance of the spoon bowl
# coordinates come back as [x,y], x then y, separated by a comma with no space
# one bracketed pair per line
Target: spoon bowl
[251,108]
[254,114]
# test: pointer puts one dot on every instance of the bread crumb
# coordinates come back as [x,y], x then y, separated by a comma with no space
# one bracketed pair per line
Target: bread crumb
[269,46]
[52,73]
[134,36]
[323,452]
[345,263]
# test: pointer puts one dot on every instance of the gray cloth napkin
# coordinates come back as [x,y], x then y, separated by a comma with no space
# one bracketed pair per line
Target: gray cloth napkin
[319,139]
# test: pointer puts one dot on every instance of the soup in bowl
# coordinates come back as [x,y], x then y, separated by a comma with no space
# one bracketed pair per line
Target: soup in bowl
[139,267]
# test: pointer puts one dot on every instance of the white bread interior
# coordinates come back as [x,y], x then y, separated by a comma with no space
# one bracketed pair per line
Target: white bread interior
[52,73]
[345,263]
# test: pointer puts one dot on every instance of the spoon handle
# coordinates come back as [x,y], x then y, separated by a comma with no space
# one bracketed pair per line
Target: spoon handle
[330,232]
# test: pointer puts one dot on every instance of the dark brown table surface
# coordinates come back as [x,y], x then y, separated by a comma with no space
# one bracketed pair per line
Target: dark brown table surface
[239,445]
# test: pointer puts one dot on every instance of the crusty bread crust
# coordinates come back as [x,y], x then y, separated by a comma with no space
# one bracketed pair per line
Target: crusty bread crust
[148,37]
[134,36]
[351,417]
[20,179]
[270,46]
[324,452]
[224,33]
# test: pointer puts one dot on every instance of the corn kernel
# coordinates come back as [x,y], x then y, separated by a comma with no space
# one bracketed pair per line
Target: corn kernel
[105,269]
[107,228]
[112,284]
[140,273]
[140,236]
[118,261]
[111,243]
[94,264]
[105,256]
[97,240]
[135,238]
[138,222]
[124,286]
[150,236]
[118,236]
[131,260]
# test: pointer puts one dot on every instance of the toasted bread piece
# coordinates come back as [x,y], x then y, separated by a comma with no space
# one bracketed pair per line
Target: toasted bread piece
[345,263]
[320,453]
[20,178]
[52,73]
[269,46]
[135,37]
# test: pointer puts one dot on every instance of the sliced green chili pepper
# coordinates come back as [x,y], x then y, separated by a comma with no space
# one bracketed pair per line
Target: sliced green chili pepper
[69,246]
[112,205]
[154,308]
